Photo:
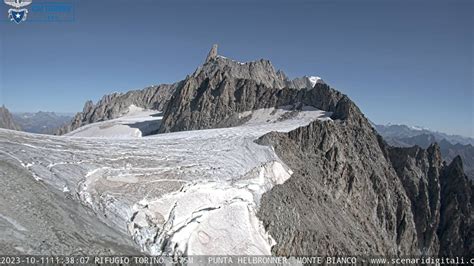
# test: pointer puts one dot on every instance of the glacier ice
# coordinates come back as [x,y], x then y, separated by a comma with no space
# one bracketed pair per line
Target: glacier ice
[193,192]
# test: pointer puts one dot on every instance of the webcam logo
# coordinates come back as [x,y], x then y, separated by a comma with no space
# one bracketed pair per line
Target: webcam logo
[18,13]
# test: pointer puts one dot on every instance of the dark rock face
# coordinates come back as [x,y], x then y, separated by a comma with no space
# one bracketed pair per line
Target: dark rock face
[260,71]
[115,105]
[419,172]
[216,102]
[6,119]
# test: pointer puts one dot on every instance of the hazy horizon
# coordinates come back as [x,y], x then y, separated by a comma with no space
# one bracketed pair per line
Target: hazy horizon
[400,62]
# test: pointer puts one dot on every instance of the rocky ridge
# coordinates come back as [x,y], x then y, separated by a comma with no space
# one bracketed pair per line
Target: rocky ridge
[117,104]
[259,73]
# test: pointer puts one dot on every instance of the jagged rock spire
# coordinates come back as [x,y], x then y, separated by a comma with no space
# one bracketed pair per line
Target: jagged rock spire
[212,53]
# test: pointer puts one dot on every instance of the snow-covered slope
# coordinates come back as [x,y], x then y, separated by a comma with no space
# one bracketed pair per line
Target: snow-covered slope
[136,123]
[193,192]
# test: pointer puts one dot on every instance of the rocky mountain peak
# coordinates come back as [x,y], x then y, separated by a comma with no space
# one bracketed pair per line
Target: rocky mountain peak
[262,71]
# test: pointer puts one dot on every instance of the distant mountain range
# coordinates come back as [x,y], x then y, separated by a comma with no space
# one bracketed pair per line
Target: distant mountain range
[41,122]
[450,145]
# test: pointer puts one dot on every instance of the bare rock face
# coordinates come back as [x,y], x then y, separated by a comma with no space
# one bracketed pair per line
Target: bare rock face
[448,150]
[6,119]
[260,71]
[456,226]
[441,199]
[343,198]
[115,105]
[217,102]
[419,172]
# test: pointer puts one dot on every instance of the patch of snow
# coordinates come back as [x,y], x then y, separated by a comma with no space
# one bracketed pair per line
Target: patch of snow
[418,128]
[225,58]
[314,80]
[134,110]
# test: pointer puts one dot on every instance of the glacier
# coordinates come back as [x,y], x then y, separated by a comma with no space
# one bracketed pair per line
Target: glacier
[136,123]
[183,193]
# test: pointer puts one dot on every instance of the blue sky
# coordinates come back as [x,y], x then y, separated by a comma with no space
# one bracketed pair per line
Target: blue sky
[405,62]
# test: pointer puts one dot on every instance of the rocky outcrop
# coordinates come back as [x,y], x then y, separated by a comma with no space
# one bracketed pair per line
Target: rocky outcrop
[456,225]
[115,105]
[6,119]
[419,172]
[448,150]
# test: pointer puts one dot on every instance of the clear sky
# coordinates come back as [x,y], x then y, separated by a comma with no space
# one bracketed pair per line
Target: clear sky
[407,62]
